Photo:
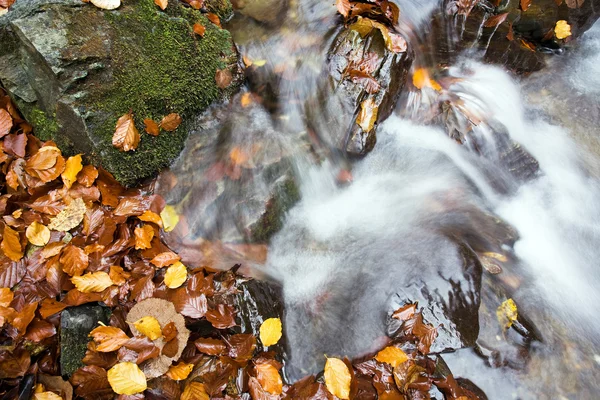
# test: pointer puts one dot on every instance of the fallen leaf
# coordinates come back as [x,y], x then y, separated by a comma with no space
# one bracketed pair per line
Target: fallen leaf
[175,276]
[221,317]
[106,4]
[574,3]
[269,378]
[23,318]
[214,18]
[246,99]
[241,346]
[148,326]
[150,126]
[562,30]
[169,218]
[87,176]
[507,313]
[126,378]
[337,378]
[223,77]
[149,216]
[180,371]
[421,79]
[50,307]
[212,347]
[6,122]
[39,330]
[72,168]
[11,244]
[391,355]
[270,332]
[170,122]
[161,3]
[74,260]
[393,41]
[368,115]
[405,312]
[495,20]
[126,136]
[343,7]
[37,234]
[199,29]
[525,4]
[143,237]
[189,305]
[164,259]
[117,275]
[70,217]
[93,282]
[109,338]
[194,391]
[6,297]
[46,396]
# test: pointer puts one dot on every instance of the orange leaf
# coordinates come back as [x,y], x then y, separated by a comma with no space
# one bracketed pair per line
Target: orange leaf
[368,115]
[495,20]
[50,307]
[118,276]
[391,355]
[180,371]
[246,99]
[525,4]
[87,176]
[6,297]
[170,122]
[161,3]
[24,317]
[164,259]
[194,391]
[269,378]
[149,216]
[151,127]
[143,237]
[72,168]
[421,79]
[109,338]
[74,260]
[126,136]
[93,282]
[11,244]
[214,18]
[6,122]
[199,29]
[238,156]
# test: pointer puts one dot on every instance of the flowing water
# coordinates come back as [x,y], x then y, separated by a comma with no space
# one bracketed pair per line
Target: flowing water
[419,209]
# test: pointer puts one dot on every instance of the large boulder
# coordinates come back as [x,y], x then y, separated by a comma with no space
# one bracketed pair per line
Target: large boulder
[74,69]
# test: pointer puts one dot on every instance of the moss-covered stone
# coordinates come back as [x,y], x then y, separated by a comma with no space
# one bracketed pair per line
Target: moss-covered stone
[222,8]
[286,195]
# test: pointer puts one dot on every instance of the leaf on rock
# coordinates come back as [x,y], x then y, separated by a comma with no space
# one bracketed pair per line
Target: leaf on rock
[150,126]
[405,312]
[70,217]
[72,168]
[149,216]
[169,218]
[126,136]
[170,122]
[37,234]
[74,260]
[525,4]
[507,313]
[126,378]
[368,115]
[199,29]
[6,122]
[337,378]
[194,391]
[93,282]
[190,305]
[214,18]
[391,355]
[180,371]
[223,77]
[221,317]
[495,20]
[421,79]
[242,346]
[11,244]
[393,41]
[143,237]
[270,332]
[148,326]
[562,30]
[176,275]
[109,338]
[269,378]
[162,3]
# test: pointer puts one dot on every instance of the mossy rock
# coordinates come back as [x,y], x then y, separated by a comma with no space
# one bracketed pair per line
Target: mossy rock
[87,67]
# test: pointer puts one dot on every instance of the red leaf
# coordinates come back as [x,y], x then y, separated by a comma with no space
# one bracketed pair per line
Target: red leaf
[15,144]
[495,20]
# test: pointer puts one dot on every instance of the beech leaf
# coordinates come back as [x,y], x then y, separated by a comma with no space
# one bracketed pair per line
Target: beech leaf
[126,136]
[6,122]
[161,3]
[169,218]
[148,326]
[126,378]
[150,126]
[337,378]
[269,378]
[70,217]
[109,338]
[170,122]
[180,371]
[392,355]
[507,313]
[194,391]
[368,115]
[562,30]
[11,244]
[37,234]
[176,275]
[72,168]
[93,282]
[270,332]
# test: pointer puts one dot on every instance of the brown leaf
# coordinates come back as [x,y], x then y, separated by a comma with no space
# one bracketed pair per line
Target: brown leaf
[574,3]
[212,347]
[14,365]
[109,338]
[76,298]
[90,379]
[199,29]
[405,312]
[269,378]
[257,392]
[194,391]
[11,244]
[50,307]
[164,259]
[143,237]
[241,346]
[161,3]
[126,136]
[74,260]
[40,330]
[170,349]
[221,317]
[15,144]
[24,317]
[170,122]
[11,273]
[6,122]
[169,331]
[223,78]
[150,126]
[190,306]
[525,4]
[87,175]
[495,20]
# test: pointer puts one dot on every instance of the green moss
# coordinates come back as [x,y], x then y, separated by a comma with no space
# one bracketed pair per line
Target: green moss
[222,8]
[45,126]
[159,66]
[271,221]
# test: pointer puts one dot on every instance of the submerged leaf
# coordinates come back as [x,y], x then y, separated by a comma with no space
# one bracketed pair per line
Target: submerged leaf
[507,313]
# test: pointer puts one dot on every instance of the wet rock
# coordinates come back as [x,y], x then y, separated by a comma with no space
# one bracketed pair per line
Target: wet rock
[26,387]
[74,69]
[268,11]
[75,325]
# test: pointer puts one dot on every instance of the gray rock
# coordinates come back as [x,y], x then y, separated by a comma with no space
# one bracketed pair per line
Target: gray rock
[268,11]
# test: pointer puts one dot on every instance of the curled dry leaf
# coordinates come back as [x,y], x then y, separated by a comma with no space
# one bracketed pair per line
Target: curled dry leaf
[6,122]
[108,338]
[170,122]
[368,115]
[337,378]
[562,30]
[93,282]
[106,4]
[270,332]
[151,127]
[162,3]
[269,378]
[199,29]
[37,234]
[70,217]
[180,371]
[148,326]
[126,378]
[11,244]
[176,275]
[194,391]
[223,78]
[169,218]
[126,136]
[392,355]
[72,168]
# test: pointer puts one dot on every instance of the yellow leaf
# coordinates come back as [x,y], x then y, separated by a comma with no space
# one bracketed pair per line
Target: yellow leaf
[269,378]
[180,371]
[39,388]
[11,244]
[368,115]
[126,136]
[126,378]
[108,338]
[149,216]
[507,313]
[562,30]
[175,276]
[37,234]
[148,326]
[169,218]
[70,217]
[46,396]
[394,42]
[391,355]
[337,378]
[6,297]
[259,63]
[421,79]
[194,391]
[73,167]
[92,282]
[270,331]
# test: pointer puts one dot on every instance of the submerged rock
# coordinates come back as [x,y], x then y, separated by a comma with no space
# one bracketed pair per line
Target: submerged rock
[76,323]
[74,69]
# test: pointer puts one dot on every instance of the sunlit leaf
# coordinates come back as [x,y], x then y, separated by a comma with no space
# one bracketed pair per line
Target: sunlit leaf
[170,122]
[92,282]
[337,378]
[175,276]
[11,244]
[392,355]
[194,391]
[72,168]
[148,326]
[109,338]
[126,378]
[70,217]
[126,136]
[562,29]
[179,371]
[37,234]
[507,313]
[169,218]
[270,332]
[269,378]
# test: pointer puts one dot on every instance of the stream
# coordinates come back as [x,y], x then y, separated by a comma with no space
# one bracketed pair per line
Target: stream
[456,223]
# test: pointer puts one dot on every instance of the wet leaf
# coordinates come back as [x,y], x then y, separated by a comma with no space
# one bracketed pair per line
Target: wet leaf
[126,378]
[50,307]
[106,4]
[6,122]
[392,355]
[11,244]
[148,326]
[214,18]
[562,30]
[72,168]
[169,218]
[169,331]
[212,347]
[223,77]
[24,317]
[143,237]
[525,4]
[109,338]
[93,282]
[126,136]
[46,396]
[269,378]
[117,275]
[242,346]
[199,29]
[170,122]
[393,41]
[70,217]
[574,3]
[149,216]
[405,312]
[37,234]
[507,313]
[189,305]
[337,378]
[368,115]
[161,3]
[180,371]
[421,80]
[194,391]
[74,260]
[495,20]
[176,275]
[164,259]
[150,126]
[39,330]
[221,317]
[6,297]
[87,176]
[270,332]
